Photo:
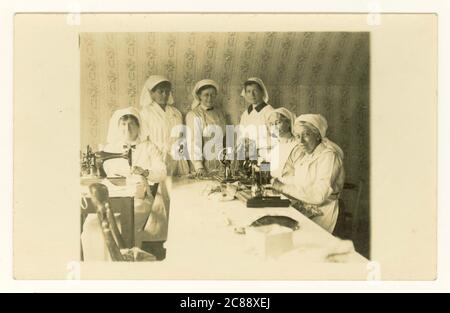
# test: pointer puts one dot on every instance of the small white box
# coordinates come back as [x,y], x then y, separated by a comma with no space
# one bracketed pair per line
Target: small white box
[269,241]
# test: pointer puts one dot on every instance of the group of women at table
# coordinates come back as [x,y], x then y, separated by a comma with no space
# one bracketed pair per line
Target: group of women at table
[305,164]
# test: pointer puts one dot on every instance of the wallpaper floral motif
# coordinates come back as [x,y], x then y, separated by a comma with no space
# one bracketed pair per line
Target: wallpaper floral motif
[317,72]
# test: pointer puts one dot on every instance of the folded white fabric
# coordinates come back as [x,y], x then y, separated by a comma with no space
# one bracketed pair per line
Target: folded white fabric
[338,250]
[316,249]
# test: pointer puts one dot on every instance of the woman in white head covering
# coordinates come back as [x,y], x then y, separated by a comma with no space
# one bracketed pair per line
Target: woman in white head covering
[317,175]
[125,132]
[281,126]
[206,124]
[148,169]
[161,122]
[255,117]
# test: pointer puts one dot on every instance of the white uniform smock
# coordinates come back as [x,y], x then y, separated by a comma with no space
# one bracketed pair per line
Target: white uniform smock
[316,179]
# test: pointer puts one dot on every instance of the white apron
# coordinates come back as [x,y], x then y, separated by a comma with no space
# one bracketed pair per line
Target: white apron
[157,127]
[197,120]
[254,126]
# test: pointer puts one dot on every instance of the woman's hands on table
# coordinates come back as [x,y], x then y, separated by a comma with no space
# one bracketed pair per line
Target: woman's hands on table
[137,170]
[200,172]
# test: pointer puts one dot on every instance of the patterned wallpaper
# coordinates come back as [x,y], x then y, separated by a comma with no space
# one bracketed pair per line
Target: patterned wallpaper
[317,72]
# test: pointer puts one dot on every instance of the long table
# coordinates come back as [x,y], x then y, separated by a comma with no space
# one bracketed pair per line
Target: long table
[202,244]
[202,232]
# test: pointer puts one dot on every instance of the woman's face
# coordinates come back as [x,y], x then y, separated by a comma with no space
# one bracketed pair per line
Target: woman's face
[208,97]
[307,138]
[161,94]
[253,94]
[129,129]
[279,125]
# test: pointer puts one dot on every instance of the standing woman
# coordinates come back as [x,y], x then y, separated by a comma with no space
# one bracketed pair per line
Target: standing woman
[318,170]
[160,119]
[281,128]
[255,117]
[204,121]
[257,98]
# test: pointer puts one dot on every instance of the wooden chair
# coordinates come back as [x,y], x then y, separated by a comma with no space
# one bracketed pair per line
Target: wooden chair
[114,241]
[348,222]
[113,238]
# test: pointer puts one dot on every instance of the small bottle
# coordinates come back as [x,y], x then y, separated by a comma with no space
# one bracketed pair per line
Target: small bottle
[227,172]
[256,190]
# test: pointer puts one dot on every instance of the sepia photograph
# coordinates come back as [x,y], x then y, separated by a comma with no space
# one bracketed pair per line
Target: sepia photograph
[250,144]
[224,147]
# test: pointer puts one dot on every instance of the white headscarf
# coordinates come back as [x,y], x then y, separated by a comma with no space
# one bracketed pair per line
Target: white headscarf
[286,113]
[113,130]
[320,123]
[200,84]
[151,82]
[261,84]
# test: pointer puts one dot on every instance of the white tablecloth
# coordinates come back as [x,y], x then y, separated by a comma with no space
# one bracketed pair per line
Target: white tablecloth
[201,245]
[202,230]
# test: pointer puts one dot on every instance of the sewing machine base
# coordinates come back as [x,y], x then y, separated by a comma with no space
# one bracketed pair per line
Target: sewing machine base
[262,202]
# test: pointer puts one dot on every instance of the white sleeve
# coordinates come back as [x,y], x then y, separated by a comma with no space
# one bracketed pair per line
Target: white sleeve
[267,114]
[288,171]
[157,168]
[320,190]
[145,131]
[195,142]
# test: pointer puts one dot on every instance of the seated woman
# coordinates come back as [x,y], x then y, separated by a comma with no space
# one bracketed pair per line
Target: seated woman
[281,126]
[203,114]
[148,170]
[317,172]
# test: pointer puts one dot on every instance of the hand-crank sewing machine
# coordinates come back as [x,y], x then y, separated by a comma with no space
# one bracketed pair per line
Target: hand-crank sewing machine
[92,162]
[254,175]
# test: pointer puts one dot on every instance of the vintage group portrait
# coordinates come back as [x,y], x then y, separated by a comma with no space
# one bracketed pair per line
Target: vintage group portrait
[221,153]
